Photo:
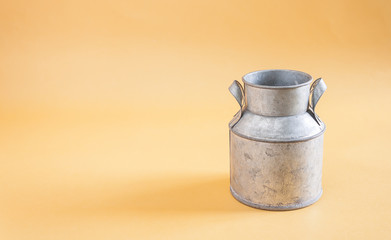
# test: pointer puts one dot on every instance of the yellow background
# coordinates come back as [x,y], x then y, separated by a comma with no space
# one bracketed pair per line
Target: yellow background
[113,116]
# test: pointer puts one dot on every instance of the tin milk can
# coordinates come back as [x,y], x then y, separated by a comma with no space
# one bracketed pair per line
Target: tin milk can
[276,140]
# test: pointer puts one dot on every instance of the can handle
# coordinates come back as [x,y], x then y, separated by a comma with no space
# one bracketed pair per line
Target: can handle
[317,89]
[237,91]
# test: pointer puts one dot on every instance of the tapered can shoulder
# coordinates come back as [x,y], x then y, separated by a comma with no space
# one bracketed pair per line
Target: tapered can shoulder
[294,128]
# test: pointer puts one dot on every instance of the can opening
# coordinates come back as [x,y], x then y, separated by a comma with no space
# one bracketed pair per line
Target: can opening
[277,78]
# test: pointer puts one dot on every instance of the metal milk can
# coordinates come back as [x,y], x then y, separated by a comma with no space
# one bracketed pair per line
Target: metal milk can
[276,140]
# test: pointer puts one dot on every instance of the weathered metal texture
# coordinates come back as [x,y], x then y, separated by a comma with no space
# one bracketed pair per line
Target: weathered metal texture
[276,140]
[277,92]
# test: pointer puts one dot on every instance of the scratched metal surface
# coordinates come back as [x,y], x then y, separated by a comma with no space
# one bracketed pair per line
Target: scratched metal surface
[276,140]
[276,175]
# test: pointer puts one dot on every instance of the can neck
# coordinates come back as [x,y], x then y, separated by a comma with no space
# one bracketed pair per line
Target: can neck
[277,101]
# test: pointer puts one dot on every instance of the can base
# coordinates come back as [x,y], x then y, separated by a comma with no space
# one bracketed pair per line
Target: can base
[275,208]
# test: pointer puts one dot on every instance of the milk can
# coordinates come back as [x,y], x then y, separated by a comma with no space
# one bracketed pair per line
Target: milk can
[276,140]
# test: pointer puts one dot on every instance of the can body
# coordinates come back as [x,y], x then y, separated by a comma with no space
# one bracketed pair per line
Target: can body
[276,176]
[276,150]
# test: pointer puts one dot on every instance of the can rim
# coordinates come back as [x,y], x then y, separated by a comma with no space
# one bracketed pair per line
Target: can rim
[247,82]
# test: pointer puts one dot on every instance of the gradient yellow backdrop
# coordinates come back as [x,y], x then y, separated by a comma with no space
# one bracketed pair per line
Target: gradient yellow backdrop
[113,116]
